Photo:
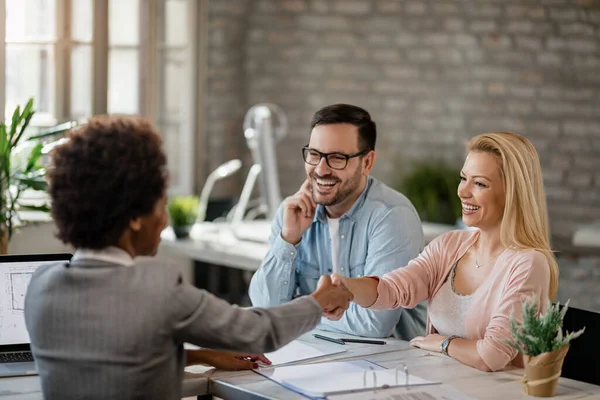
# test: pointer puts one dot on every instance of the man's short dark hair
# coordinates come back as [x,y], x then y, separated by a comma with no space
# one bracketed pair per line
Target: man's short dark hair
[112,170]
[349,114]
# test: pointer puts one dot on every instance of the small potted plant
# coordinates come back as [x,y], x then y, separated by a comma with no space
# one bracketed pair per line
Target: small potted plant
[431,188]
[541,340]
[183,211]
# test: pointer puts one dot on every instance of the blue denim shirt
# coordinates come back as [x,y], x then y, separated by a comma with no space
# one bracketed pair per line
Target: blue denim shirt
[381,232]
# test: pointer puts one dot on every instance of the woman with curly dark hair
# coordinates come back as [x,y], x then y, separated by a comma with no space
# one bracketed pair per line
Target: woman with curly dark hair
[107,326]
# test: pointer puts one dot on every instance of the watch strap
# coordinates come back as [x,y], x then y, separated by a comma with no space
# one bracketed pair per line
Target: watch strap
[446,343]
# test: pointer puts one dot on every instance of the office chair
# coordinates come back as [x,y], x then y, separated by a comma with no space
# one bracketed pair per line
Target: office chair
[582,362]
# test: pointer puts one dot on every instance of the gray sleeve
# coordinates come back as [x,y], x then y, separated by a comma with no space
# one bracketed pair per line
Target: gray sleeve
[205,320]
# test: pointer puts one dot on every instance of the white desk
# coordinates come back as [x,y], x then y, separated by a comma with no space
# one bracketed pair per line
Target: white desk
[248,385]
[28,387]
[216,243]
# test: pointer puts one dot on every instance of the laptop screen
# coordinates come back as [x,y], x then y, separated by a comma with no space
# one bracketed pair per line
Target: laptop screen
[14,280]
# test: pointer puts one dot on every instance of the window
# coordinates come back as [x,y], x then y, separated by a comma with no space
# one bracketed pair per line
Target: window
[123,56]
[174,90]
[30,56]
[80,46]
[78,58]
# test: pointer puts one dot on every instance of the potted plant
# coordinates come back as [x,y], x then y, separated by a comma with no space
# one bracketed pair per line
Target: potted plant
[431,187]
[20,168]
[541,340]
[183,211]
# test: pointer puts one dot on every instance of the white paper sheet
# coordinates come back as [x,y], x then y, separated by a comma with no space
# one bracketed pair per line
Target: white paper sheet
[433,392]
[322,386]
[327,369]
[310,372]
[352,381]
[198,369]
[298,351]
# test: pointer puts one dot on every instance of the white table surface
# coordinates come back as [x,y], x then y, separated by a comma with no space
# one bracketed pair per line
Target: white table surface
[427,365]
[227,245]
[28,387]
[215,243]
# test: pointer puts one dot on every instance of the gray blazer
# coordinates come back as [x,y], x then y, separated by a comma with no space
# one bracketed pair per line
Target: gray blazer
[105,331]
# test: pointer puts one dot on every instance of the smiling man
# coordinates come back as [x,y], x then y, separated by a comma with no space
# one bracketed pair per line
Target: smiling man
[342,220]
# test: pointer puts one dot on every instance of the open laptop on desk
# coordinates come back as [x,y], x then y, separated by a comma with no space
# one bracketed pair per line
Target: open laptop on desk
[15,274]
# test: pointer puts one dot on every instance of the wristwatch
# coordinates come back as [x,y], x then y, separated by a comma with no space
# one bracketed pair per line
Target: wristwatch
[446,343]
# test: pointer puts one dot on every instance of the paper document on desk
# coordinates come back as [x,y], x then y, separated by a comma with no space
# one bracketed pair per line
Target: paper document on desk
[433,392]
[359,381]
[299,351]
[199,369]
[316,372]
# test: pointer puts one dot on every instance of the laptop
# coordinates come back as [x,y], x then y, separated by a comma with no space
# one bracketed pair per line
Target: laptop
[15,274]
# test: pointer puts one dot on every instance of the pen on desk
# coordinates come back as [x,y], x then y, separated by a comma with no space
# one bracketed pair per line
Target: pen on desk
[363,341]
[338,341]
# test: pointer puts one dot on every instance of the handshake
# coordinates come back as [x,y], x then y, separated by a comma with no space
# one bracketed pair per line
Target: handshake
[333,296]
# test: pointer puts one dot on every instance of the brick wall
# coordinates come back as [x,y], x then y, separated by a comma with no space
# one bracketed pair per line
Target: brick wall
[432,73]
[225,89]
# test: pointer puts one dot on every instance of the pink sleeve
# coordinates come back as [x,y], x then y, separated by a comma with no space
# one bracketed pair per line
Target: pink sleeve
[531,277]
[410,285]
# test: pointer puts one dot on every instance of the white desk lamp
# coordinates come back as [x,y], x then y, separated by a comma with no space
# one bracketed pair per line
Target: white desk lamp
[242,205]
[223,171]
[264,125]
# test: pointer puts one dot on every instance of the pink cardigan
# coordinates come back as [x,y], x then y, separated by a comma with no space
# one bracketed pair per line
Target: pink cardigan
[517,274]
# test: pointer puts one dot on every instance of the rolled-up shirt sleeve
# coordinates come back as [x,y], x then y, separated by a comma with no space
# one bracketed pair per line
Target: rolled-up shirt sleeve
[530,277]
[408,286]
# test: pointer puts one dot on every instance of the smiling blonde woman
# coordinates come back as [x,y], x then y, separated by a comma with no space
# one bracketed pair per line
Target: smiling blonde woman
[475,279]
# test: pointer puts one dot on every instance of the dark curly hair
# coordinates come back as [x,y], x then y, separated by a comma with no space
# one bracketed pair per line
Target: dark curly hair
[112,170]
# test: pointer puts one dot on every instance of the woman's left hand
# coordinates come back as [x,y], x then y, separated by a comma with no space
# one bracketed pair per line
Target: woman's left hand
[431,342]
[226,360]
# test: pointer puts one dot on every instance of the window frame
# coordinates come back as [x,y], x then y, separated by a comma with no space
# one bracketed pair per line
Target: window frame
[151,19]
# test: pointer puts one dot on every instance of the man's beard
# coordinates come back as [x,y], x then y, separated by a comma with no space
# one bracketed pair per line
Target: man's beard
[345,189]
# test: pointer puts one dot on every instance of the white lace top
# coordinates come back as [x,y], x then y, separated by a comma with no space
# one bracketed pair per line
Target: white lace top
[448,309]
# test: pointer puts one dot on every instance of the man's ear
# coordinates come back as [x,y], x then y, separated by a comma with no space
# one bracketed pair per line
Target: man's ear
[369,160]
[135,224]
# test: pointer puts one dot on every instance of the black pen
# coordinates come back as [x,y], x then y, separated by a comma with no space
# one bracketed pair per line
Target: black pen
[338,341]
[362,341]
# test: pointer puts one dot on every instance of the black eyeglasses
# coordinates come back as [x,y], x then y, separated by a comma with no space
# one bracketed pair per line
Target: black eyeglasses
[334,160]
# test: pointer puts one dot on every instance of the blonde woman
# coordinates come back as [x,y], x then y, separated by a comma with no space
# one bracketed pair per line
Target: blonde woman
[475,279]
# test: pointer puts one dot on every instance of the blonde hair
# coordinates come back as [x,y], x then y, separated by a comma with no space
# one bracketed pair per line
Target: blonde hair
[525,219]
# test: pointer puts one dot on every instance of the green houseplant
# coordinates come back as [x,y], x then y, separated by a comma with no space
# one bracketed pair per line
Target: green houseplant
[431,187]
[183,211]
[20,168]
[541,340]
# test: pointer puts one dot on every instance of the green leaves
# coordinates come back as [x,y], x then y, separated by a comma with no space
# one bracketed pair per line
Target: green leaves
[183,210]
[538,334]
[431,187]
[57,130]
[34,157]
[33,183]
[20,166]
[41,208]
[20,121]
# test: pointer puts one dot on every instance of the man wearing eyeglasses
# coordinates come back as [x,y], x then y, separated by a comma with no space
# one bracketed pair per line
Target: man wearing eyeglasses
[342,220]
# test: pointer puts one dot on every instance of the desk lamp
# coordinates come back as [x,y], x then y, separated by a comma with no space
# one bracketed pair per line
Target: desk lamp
[222,171]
